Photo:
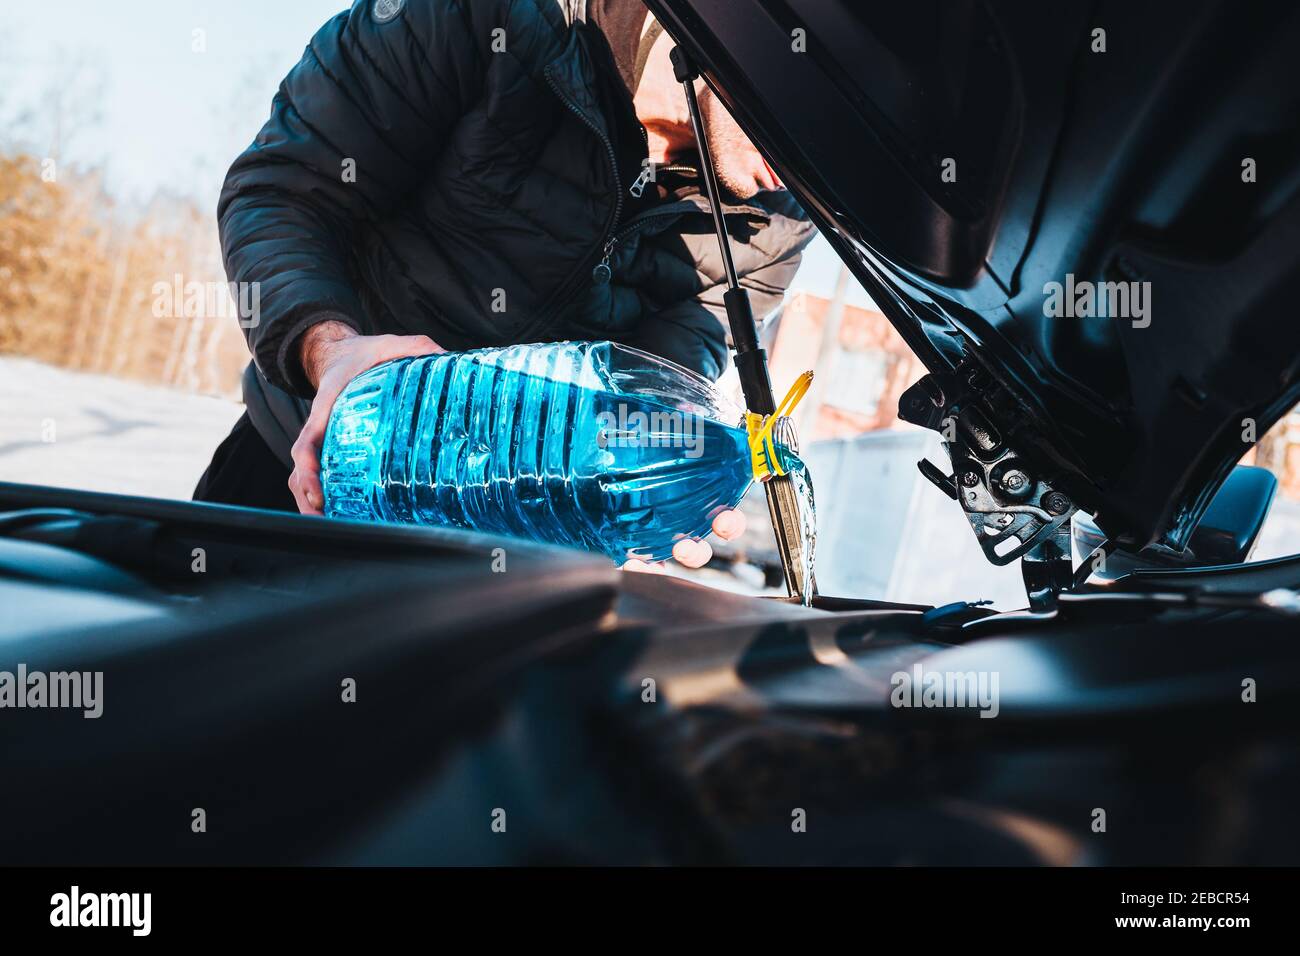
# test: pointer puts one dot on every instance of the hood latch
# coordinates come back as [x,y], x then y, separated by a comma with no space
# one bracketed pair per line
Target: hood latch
[1013,508]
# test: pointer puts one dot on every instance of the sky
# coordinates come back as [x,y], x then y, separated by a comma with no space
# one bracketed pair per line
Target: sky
[165,93]
[170,117]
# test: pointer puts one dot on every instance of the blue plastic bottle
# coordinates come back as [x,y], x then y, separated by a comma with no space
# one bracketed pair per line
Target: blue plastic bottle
[590,444]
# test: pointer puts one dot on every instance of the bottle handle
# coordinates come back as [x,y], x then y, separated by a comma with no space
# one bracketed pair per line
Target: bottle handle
[762,451]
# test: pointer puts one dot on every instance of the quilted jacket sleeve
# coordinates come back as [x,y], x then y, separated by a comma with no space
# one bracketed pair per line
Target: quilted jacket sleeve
[352,131]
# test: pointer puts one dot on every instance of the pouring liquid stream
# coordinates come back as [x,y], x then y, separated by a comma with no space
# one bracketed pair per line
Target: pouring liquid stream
[803,489]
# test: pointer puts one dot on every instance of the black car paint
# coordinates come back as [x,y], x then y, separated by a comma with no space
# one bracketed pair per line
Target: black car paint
[614,718]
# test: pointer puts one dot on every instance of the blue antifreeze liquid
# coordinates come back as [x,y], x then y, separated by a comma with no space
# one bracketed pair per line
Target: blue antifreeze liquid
[590,444]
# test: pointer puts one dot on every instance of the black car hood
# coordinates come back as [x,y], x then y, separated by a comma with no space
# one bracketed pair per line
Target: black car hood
[962,156]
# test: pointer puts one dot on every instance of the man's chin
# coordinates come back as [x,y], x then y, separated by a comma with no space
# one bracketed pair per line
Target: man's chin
[738,187]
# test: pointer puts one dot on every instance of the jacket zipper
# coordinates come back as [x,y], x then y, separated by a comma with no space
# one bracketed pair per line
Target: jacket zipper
[569,287]
[637,189]
[603,273]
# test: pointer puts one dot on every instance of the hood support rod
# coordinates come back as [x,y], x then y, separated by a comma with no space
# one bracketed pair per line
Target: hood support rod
[750,357]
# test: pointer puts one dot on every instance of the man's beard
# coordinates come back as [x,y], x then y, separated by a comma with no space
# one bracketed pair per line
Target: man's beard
[736,183]
[730,148]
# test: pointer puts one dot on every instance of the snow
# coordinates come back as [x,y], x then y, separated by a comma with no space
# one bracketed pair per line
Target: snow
[75,430]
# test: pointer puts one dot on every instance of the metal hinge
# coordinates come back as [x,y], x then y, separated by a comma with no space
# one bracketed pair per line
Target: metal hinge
[1013,508]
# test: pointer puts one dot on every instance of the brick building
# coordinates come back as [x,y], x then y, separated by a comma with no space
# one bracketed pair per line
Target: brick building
[859,379]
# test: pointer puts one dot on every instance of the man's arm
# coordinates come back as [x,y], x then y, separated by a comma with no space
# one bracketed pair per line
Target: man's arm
[352,132]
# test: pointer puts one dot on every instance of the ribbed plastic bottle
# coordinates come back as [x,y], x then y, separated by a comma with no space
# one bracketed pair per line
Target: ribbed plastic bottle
[589,444]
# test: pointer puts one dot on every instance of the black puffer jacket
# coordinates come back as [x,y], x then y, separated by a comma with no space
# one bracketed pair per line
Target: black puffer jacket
[415,178]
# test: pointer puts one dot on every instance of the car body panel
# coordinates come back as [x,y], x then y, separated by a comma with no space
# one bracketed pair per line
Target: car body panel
[614,717]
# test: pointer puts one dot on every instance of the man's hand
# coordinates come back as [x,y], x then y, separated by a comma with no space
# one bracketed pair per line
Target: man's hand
[690,553]
[332,355]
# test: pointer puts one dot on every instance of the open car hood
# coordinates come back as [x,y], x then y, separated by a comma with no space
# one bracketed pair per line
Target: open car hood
[963,156]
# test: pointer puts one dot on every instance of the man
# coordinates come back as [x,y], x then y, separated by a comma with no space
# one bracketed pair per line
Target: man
[446,174]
